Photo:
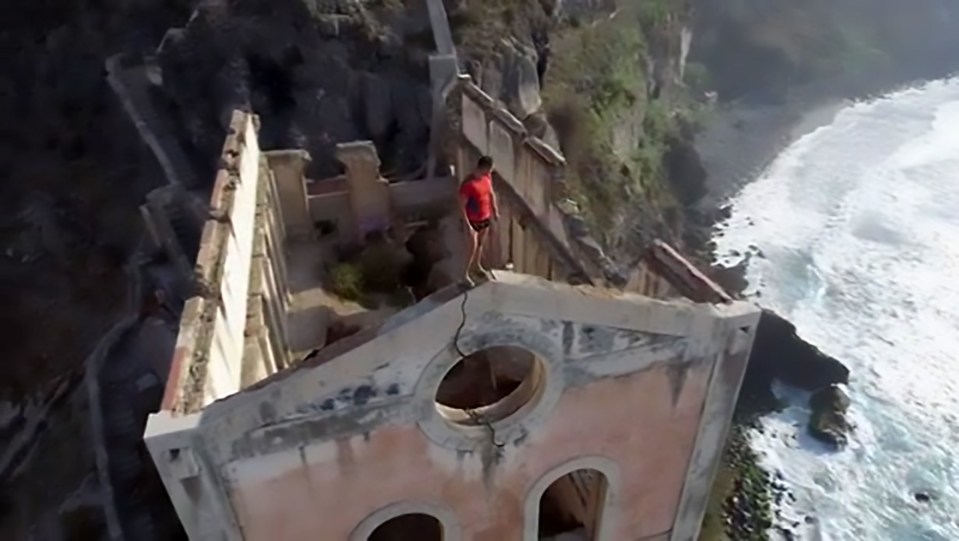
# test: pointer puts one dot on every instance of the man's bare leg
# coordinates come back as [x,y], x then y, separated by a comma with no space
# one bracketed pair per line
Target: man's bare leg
[472,245]
[480,245]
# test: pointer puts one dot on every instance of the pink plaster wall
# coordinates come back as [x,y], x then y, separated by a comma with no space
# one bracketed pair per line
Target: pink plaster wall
[631,420]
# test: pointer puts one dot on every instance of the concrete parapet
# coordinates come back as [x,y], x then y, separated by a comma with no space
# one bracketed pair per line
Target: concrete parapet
[682,275]
[533,173]
[207,361]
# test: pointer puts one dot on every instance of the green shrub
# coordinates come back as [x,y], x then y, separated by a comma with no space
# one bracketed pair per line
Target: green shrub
[346,281]
[654,13]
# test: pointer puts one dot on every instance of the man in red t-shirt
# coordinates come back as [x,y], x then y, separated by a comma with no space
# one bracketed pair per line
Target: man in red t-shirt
[478,203]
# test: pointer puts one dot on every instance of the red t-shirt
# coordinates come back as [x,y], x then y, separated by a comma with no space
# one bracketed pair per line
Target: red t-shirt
[477,194]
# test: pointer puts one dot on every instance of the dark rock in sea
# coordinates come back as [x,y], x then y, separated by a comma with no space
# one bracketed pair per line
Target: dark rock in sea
[780,354]
[925,496]
[731,279]
[828,422]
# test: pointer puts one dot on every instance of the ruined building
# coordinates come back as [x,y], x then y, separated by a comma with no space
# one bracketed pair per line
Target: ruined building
[558,400]
[520,409]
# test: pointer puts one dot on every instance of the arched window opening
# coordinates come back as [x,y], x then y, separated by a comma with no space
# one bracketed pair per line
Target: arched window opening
[571,508]
[490,385]
[409,527]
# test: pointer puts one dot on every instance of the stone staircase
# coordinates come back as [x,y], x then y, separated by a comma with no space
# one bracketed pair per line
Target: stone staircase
[175,217]
[130,81]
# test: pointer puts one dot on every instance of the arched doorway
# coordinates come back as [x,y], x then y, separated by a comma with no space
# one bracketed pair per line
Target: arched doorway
[409,527]
[573,506]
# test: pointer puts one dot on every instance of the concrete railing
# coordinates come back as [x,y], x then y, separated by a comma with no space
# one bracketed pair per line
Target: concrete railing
[538,237]
[678,277]
[208,358]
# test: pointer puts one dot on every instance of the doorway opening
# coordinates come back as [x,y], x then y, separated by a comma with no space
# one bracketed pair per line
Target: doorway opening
[571,508]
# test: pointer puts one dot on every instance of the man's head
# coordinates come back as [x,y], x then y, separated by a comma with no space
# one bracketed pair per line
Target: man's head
[484,165]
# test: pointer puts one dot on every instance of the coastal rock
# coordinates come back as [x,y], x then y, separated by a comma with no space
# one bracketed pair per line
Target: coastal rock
[685,170]
[828,422]
[780,354]
[513,77]
[732,278]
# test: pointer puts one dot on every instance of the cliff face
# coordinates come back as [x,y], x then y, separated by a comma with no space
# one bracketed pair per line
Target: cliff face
[318,73]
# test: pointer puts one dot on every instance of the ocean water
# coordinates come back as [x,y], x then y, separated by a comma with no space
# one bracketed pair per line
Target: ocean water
[858,227]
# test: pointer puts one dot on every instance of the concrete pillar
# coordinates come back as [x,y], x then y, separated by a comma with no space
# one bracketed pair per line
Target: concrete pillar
[288,168]
[369,192]
[199,498]
[444,70]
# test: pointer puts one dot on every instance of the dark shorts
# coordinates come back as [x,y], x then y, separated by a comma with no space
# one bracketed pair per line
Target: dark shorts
[480,225]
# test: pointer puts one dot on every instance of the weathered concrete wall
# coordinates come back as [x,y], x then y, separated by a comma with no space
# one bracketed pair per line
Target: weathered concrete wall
[208,359]
[665,271]
[542,238]
[266,334]
[289,186]
[635,388]
[409,201]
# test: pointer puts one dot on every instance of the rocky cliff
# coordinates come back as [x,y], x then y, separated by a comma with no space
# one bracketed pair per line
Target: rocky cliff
[318,73]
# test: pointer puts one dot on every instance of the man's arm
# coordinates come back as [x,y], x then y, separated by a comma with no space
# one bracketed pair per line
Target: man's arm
[492,200]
